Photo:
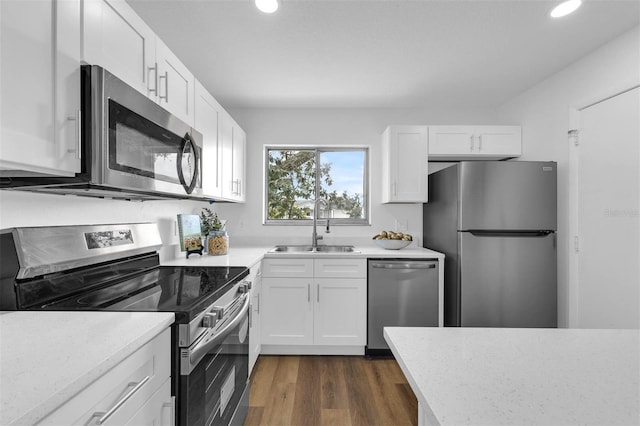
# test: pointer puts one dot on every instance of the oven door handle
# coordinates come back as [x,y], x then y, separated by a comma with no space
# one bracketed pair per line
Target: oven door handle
[197,353]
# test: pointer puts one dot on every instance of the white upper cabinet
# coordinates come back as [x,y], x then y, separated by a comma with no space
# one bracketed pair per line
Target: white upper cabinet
[474,142]
[208,121]
[404,164]
[175,84]
[117,39]
[40,87]
[233,159]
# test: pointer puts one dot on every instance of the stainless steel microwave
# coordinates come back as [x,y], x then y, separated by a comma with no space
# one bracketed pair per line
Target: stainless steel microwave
[132,148]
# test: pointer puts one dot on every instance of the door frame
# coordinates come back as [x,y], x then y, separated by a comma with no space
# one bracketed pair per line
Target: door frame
[575,123]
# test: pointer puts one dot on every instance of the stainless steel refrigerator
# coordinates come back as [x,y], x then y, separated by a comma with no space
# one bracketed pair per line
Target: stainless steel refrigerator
[495,221]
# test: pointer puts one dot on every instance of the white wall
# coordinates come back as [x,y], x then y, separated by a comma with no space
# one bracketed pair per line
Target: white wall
[359,127]
[543,112]
[19,208]
[299,126]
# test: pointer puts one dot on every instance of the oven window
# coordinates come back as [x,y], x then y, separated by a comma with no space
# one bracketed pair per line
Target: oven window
[141,147]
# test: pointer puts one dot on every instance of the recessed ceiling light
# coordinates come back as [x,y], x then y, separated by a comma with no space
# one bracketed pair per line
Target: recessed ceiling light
[565,8]
[267,6]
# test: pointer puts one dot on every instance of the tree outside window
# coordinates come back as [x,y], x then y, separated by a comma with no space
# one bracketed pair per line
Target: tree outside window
[297,177]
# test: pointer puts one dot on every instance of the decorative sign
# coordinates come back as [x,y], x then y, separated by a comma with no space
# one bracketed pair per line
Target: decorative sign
[103,239]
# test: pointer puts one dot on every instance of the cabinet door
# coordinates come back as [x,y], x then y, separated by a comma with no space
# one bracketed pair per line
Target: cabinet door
[39,118]
[208,121]
[227,156]
[239,149]
[233,152]
[117,39]
[474,142]
[287,267]
[451,141]
[175,84]
[406,162]
[340,311]
[287,311]
[340,268]
[500,141]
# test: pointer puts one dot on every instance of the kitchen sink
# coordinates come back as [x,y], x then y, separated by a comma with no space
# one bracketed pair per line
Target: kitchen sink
[310,249]
[287,249]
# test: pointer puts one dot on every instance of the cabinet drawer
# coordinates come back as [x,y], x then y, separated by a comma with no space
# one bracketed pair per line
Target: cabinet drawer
[158,410]
[145,371]
[287,267]
[340,268]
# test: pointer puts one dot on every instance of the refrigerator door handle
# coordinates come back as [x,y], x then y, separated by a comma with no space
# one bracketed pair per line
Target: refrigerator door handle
[482,233]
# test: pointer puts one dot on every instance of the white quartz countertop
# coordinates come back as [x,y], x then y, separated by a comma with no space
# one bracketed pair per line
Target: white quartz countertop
[236,256]
[48,357]
[473,376]
[249,256]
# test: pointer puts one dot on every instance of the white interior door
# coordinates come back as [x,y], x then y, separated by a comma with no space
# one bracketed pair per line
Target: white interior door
[606,173]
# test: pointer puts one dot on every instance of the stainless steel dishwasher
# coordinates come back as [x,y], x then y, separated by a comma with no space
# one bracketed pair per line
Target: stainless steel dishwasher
[403,293]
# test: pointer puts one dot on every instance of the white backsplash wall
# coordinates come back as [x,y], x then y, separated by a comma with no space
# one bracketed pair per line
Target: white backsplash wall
[19,208]
[337,127]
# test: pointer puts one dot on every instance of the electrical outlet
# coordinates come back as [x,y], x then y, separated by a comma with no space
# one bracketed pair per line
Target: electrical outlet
[402,225]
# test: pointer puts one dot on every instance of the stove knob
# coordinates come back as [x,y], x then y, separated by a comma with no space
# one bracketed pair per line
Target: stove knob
[209,320]
[244,287]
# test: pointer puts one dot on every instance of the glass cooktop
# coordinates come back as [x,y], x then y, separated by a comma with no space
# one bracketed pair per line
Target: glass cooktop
[186,291]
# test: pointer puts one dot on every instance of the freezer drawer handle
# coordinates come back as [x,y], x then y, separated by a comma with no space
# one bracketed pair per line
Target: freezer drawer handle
[404,265]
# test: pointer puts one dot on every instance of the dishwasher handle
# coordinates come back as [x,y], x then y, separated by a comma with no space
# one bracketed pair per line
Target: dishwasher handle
[404,265]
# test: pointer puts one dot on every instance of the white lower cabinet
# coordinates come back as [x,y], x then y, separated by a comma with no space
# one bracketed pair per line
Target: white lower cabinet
[287,315]
[339,311]
[135,391]
[323,307]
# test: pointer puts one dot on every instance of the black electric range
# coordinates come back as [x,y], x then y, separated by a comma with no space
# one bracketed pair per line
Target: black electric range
[117,268]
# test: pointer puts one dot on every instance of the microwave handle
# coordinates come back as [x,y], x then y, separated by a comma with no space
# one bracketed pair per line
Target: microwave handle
[191,186]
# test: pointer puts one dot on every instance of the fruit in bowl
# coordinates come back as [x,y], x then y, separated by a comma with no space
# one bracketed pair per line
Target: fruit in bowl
[390,240]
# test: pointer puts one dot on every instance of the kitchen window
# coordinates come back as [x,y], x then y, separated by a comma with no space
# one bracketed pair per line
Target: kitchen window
[296,177]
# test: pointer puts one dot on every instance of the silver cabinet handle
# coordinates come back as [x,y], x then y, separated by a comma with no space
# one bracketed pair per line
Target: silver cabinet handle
[166,87]
[104,416]
[154,68]
[318,294]
[308,292]
[480,143]
[471,143]
[395,188]
[78,120]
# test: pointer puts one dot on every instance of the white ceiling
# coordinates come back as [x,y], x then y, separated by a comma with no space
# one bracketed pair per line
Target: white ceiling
[393,53]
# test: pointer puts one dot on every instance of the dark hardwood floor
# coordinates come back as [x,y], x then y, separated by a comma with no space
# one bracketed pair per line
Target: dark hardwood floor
[329,390]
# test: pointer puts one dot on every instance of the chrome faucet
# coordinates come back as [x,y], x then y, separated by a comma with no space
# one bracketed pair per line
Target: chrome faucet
[314,236]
